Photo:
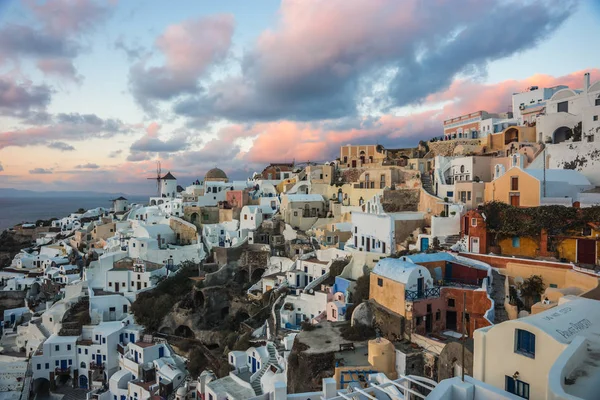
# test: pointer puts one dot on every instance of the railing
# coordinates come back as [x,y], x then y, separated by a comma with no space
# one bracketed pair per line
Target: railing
[422,294]
[59,370]
[95,366]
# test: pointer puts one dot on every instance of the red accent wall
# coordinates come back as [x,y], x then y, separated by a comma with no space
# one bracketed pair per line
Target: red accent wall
[500,262]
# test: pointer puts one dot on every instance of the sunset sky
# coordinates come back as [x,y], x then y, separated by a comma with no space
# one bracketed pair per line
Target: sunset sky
[92,93]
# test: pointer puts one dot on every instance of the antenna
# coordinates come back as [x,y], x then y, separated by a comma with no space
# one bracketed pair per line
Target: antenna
[158,177]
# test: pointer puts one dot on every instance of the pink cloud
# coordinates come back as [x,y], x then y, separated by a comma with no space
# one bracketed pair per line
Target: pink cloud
[61,67]
[152,129]
[62,17]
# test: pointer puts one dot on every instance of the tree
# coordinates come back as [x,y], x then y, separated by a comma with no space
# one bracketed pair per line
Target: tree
[577,132]
[531,289]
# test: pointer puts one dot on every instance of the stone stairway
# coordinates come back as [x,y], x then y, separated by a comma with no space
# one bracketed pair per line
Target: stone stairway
[426,183]
[272,361]
[450,241]
[498,296]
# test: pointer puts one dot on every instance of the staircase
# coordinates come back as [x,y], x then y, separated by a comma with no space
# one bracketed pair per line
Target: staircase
[450,241]
[272,361]
[426,184]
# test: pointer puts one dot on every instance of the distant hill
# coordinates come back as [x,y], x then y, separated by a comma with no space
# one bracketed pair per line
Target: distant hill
[11,193]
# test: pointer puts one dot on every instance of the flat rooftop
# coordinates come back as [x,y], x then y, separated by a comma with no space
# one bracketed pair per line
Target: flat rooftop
[326,338]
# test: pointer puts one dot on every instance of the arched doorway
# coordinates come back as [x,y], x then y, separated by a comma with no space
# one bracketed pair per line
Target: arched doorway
[562,134]
[83,382]
[362,157]
[257,274]
[184,331]
[194,218]
[41,387]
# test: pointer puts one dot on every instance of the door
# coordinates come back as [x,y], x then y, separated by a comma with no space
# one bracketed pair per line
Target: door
[368,244]
[83,382]
[297,280]
[63,365]
[135,353]
[448,274]
[451,320]
[139,285]
[116,286]
[586,251]
[253,365]
[515,200]
[161,352]
[424,244]
[474,245]
[420,287]
[132,337]
[99,359]
[298,319]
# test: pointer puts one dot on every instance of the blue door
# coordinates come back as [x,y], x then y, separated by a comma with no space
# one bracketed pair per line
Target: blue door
[420,284]
[253,365]
[424,244]
[132,337]
[448,274]
[13,317]
[83,382]
[161,352]
[298,319]
[63,364]
[136,356]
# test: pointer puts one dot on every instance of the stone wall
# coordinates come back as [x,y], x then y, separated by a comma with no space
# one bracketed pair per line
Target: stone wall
[446,148]
[400,200]
[390,324]
[184,231]
[11,299]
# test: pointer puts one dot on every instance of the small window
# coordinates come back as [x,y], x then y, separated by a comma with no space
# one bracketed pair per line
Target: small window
[428,308]
[525,343]
[469,196]
[79,350]
[473,221]
[57,347]
[553,285]
[451,303]
[514,183]
[438,315]
[47,365]
[39,366]
[595,118]
[68,347]
[380,282]
[516,242]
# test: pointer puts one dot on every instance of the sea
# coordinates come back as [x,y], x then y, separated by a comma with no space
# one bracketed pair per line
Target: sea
[15,210]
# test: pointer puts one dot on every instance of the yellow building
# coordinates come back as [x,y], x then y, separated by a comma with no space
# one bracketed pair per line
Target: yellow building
[532,187]
[360,156]
[381,358]
[544,356]
[512,134]
[581,247]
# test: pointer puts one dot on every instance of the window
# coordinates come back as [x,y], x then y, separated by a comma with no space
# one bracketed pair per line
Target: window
[597,102]
[451,303]
[245,216]
[595,118]
[428,308]
[47,365]
[469,196]
[39,366]
[590,138]
[517,387]
[103,340]
[295,213]
[525,343]
[553,285]
[473,221]
[438,315]
[563,106]
[68,347]
[380,282]
[305,269]
[56,363]
[124,308]
[57,347]
[79,350]
[514,183]
[86,351]
[516,242]
[110,284]
[70,362]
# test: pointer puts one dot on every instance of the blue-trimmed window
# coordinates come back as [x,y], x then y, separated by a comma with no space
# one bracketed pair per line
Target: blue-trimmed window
[525,343]
[516,242]
[47,365]
[516,387]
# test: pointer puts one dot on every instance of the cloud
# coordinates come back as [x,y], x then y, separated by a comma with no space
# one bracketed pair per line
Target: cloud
[133,52]
[53,38]
[323,57]
[22,98]
[62,146]
[137,156]
[73,126]
[189,49]
[87,166]
[150,142]
[115,153]
[40,171]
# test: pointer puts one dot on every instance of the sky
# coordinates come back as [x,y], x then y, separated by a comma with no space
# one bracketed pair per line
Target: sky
[94,92]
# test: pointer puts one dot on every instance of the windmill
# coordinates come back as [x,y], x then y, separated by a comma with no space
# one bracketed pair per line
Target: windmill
[158,177]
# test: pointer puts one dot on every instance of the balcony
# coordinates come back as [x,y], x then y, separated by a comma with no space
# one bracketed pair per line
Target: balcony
[422,294]
[96,367]
[62,371]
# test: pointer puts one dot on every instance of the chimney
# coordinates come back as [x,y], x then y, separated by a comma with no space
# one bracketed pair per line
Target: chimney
[586,81]
[159,243]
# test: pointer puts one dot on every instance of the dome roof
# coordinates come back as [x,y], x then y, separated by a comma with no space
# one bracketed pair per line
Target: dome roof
[215,174]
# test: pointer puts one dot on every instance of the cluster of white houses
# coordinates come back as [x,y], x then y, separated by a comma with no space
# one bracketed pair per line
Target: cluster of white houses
[327,225]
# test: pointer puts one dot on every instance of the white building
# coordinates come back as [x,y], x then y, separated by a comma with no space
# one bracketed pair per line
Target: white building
[531,102]
[251,217]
